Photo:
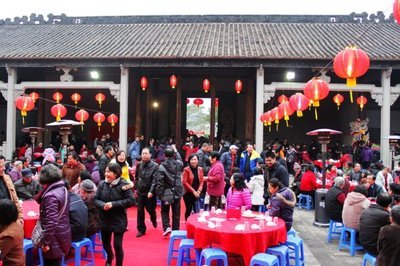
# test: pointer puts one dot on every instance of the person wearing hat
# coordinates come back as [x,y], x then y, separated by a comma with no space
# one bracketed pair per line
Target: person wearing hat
[229,160]
[87,191]
[27,188]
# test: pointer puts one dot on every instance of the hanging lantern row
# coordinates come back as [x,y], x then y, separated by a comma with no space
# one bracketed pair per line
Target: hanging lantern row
[338,99]
[76,97]
[82,115]
[143,83]
[100,97]
[298,102]
[206,85]
[34,96]
[173,81]
[316,89]
[58,111]
[24,103]
[57,96]
[238,86]
[396,11]
[362,101]
[282,98]
[112,119]
[99,118]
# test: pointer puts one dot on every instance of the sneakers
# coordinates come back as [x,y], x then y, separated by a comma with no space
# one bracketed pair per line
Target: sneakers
[167,231]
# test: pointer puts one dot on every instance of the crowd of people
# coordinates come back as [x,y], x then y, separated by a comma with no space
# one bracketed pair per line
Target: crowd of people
[83,192]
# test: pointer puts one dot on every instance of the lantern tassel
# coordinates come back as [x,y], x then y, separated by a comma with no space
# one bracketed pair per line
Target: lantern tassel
[277,126]
[23,120]
[316,114]
[81,126]
[287,123]
[269,127]
[338,106]
[299,113]
[112,129]
[58,118]
[351,96]
[351,82]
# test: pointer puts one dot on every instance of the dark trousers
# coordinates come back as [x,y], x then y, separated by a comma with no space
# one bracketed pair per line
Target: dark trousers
[215,201]
[191,204]
[150,205]
[176,214]
[52,262]
[119,252]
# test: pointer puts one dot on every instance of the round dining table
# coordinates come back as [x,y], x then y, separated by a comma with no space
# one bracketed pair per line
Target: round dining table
[246,243]
[31,215]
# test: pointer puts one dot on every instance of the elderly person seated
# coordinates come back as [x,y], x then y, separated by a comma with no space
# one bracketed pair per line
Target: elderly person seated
[354,204]
[374,189]
[27,188]
[389,240]
[334,200]
[15,172]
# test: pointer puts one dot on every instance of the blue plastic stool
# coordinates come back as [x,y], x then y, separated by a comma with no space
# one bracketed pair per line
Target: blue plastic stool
[368,258]
[305,202]
[210,254]
[184,249]
[335,230]
[93,239]
[175,235]
[264,259]
[282,252]
[349,244]
[295,245]
[292,232]
[29,245]
[77,246]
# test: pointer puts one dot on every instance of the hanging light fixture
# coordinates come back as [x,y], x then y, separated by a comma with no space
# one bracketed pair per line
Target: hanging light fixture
[282,98]
[238,86]
[276,115]
[76,97]
[58,111]
[82,115]
[99,118]
[338,99]
[299,102]
[34,96]
[173,81]
[24,104]
[286,111]
[316,89]
[143,83]
[362,101]
[206,85]
[100,97]
[57,96]
[112,119]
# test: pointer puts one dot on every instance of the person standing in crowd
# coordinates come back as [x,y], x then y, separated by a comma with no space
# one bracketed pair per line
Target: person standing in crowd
[7,189]
[120,159]
[275,169]
[112,202]
[11,235]
[389,240]
[54,203]
[298,175]
[134,150]
[229,160]
[384,178]
[371,222]
[203,156]
[334,200]
[27,188]
[189,149]
[278,198]
[104,160]
[72,168]
[366,156]
[215,181]
[238,194]
[145,185]
[248,161]
[354,204]
[256,188]
[15,172]
[87,191]
[168,178]
[192,180]
[308,183]
[291,159]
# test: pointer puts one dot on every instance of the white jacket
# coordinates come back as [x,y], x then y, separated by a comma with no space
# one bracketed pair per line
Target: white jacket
[380,180]
[256,187]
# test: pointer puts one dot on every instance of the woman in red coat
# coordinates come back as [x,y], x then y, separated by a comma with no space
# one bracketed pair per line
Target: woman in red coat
[308,183]
[192,180]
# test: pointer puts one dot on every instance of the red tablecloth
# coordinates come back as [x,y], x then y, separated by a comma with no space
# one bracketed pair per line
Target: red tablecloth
[246,243]
[30,221]
[329,184]
[319,163]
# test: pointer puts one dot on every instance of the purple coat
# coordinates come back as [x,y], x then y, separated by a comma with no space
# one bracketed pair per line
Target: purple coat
[237,199]
[216,180]
[57,227]
[280,209]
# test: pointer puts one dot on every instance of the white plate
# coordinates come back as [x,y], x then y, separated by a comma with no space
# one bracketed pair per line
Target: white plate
[249,215]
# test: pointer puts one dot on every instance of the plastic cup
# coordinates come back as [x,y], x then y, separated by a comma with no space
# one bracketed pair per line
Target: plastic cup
[213,209]
[261,223]
[275,220]
[246,226]
[201,211]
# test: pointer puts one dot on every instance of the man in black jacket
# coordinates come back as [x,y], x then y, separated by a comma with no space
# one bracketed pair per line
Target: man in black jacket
[389,240]
[145,185]
[334,200]
[105,160]
[169,189]
[275,170]
[78,215]
[371,221]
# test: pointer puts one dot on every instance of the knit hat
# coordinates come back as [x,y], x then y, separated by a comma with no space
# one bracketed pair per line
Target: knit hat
[26,172]
[88,185]
[296,166]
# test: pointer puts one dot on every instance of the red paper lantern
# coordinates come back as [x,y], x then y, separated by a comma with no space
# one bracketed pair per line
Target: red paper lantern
[143,83]
[298,102]
[198,102]
[58,111]
[361,101]
[57,96]
[99,118]
[112,119]
[100,97]
[76,97]
[34,96]
[285,110]
[173,81]
[282,99]
[238,86]
[206,85]
[350,64]
[187,101]
[396,11]
[82,115]
[316,89]
[267,119]
[338,99]
[24,104]
[276,115]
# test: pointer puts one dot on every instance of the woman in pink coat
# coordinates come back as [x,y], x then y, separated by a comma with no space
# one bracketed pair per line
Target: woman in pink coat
[238,194]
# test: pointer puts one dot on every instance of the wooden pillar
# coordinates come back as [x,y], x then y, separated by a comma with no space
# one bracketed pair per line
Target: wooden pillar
[249,126]
[212,113]
[178,116]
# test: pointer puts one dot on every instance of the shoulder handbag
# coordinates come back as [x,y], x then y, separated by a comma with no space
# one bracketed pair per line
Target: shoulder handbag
[39,231]
[168,196]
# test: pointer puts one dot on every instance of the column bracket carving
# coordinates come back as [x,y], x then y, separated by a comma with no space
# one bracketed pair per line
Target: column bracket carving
[66,77]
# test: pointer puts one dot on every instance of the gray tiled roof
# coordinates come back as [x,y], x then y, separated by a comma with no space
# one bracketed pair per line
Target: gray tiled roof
[204,41]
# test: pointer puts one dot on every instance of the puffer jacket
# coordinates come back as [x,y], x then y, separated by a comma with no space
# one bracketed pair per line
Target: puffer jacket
[354,204]
[280,209]
[57,227]
[114,219]
[168,176]
[256,187]
[144,177]
[236,199]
